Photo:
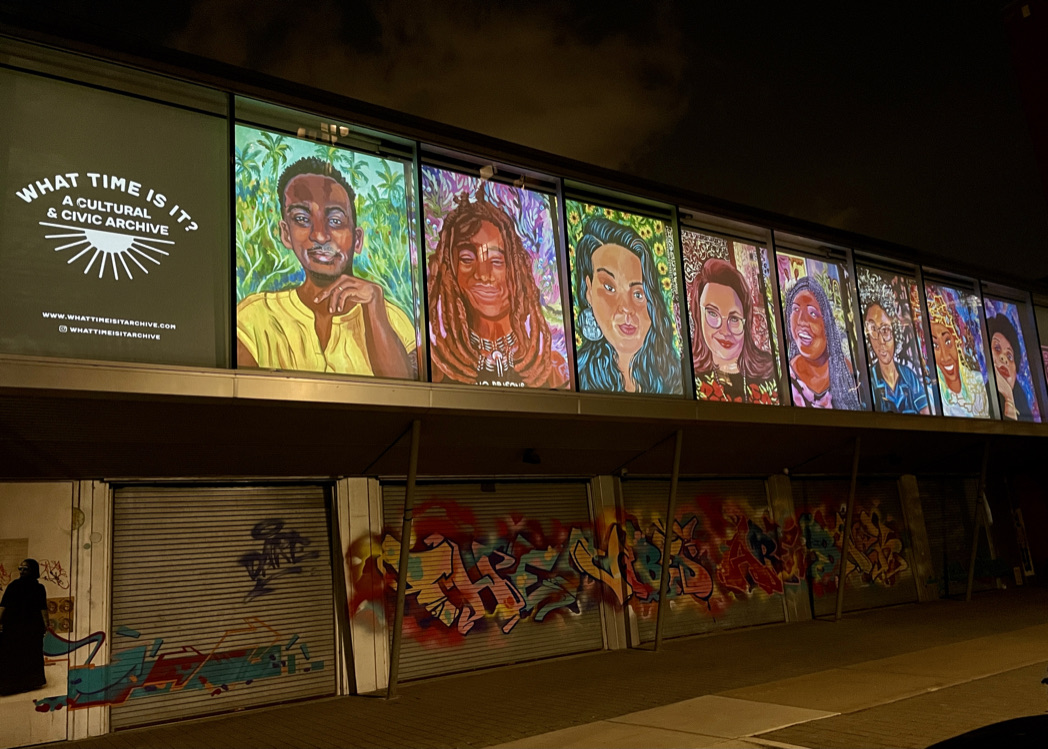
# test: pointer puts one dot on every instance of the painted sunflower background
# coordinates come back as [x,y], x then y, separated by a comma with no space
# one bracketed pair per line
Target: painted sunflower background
[660,244]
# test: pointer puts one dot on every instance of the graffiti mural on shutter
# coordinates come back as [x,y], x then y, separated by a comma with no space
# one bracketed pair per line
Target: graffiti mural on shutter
[490,580]
[877,571]
[726,567]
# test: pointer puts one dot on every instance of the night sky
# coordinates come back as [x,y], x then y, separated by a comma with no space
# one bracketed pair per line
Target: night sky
[902,123]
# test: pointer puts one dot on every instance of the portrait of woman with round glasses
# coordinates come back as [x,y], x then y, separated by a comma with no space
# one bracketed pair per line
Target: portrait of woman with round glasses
[896,386]
[728,364]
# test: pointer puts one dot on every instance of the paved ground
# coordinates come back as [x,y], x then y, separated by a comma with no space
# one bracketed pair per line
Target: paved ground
[906,676]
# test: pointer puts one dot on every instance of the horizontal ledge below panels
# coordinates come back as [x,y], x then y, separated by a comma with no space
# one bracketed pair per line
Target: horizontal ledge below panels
[61,377]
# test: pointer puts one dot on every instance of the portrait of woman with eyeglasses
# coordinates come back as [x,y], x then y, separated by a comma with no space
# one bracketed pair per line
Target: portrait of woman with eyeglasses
[728,363]
[897,387]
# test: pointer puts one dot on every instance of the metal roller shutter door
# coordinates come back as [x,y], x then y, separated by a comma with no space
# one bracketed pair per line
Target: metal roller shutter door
[879,569]
[539,606]
[709,513]
[189,610]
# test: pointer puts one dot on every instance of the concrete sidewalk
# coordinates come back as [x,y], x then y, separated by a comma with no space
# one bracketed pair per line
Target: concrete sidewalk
[905,676]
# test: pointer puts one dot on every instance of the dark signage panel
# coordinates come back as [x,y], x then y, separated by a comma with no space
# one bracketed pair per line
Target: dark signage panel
[115,233]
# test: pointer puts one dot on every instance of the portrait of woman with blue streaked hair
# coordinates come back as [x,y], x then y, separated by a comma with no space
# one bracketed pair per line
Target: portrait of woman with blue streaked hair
[627,334]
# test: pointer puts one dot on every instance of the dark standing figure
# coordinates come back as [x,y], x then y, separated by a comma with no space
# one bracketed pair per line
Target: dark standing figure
[23,620]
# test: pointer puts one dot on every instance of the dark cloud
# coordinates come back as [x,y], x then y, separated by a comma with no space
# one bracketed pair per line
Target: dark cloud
[902,124]
[538,74]
[898,121]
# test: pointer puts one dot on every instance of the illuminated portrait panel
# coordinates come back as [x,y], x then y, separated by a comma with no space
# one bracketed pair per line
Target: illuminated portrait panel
[495,312]
[1013,376]
[624,299]
[324,258]
[953,316]
[896,350]
[819,333]
[731,317]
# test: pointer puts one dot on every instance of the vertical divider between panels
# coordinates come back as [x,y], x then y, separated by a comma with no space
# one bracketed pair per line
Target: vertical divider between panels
[1033,352]
[1042,367]
[687,370]
[991,376]
[989,384]
[862,354]
[932,373]
[567,292]
[422,279]
[231,251]
[773,288]
[785,386]
[861,358]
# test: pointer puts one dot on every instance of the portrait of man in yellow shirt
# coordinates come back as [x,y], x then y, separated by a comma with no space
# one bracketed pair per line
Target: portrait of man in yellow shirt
[333,321]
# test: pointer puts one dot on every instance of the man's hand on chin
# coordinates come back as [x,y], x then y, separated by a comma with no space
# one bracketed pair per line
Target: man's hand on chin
[347,291]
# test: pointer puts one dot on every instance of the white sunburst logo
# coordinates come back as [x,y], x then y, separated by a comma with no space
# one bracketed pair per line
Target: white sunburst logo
[107,248]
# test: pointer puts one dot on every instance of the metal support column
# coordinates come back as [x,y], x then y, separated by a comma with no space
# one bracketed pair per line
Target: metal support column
[667,544]
[981,507]
[402,570]
[846,536]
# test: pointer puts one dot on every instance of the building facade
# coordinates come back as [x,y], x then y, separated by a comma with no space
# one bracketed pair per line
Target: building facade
[245,332]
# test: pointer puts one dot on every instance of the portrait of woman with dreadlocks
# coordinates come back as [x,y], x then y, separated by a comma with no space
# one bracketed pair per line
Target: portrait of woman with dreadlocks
[487,315]
[896,364]
[957,343]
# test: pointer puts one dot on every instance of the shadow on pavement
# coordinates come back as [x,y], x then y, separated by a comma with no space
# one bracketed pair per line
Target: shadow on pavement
[1017,733]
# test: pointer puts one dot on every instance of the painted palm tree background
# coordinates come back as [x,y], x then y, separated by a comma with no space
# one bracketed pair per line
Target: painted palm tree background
[660,245]
[384,206]
[533,215]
